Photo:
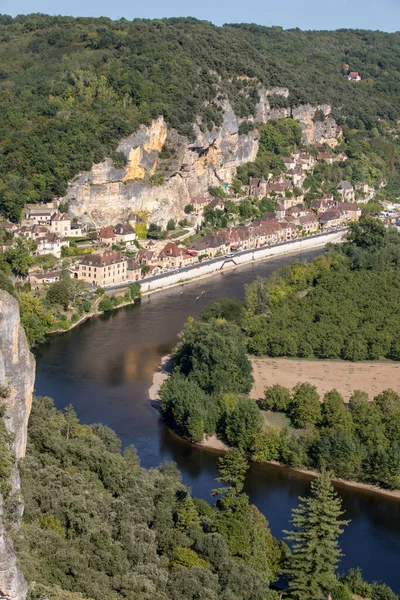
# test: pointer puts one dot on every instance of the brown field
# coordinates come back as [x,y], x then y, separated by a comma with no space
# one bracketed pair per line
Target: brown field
[371,377]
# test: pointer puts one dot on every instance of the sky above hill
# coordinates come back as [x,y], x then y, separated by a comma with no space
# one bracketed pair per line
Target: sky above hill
[306,14]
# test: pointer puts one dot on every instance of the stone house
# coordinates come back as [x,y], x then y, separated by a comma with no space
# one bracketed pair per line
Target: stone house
[133,270]
[170,256]
[124,234]
[325,156]
[289,162]
[147,257]
[351,211]
[217,204]
[62,226]
[107,236]
[297,176]
[346,191]
[38,279]
[309,223]
[365,192]
[330,218]
[258,187]
[50,243]
[102,269]
[199,203]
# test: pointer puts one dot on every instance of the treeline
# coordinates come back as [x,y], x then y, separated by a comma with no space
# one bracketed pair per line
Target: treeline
[96,525]
[345,304]
[207,395]
[357,441]
[70,89]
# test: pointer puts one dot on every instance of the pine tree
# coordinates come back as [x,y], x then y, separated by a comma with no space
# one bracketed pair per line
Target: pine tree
[187,514]
[232,470]
[314,540]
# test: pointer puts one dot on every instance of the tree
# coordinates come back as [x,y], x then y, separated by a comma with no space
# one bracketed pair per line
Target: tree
[225,308]
[315,553]
[189,208]
[214,355]
[19,256]
[171,225]
[232,470]
[186,514]
[335,414]
[134,289]
[305,408]
[106,304]
[58,293]
[5,283]
[243,423]
[277,398]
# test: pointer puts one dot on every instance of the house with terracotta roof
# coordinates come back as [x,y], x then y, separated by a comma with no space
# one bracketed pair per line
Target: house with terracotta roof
[199,203]
[354,76]
[102,269]
[308,223]
[172,257]
[326,157]
[38,279]
[107,236]
[61,224]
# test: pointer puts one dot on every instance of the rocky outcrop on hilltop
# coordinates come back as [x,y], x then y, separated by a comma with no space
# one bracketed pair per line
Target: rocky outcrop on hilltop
[17,375]
[162,188]
[107,195]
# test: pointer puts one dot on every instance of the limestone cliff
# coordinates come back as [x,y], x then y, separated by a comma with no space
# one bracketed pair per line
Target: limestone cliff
[106,195]
[17,373]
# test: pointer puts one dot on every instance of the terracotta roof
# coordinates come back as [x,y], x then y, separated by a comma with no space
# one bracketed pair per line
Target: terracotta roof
[106,233]
[171,249]
[199,200]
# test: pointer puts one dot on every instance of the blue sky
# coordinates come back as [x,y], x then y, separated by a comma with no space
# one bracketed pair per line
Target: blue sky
[306,14]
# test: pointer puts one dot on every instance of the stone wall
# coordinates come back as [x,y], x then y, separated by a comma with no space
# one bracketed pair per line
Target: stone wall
[202,270]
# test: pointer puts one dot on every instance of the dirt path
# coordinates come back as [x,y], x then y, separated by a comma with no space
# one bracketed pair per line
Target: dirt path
[372,377]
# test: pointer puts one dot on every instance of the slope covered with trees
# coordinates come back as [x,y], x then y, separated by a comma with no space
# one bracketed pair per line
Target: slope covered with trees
[71,88]
[98,526]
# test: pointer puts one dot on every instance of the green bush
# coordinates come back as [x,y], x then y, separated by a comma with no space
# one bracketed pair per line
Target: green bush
[106,304]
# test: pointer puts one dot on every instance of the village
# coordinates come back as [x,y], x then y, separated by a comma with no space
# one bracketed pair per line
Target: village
[215,224]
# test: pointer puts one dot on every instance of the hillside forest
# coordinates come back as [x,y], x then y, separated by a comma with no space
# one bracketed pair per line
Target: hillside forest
[71,88]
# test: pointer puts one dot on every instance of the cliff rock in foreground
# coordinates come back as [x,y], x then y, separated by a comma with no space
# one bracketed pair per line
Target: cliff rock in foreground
[17,373]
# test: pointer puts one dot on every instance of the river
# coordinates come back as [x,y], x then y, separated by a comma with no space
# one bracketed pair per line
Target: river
[104,367]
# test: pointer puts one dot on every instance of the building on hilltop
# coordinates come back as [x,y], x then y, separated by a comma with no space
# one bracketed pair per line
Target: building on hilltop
[354,76]
[102,269]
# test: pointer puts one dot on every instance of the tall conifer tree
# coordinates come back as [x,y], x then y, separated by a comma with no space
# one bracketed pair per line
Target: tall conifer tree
[315,554]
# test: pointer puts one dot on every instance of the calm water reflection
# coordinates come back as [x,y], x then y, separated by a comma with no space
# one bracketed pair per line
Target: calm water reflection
[105,367]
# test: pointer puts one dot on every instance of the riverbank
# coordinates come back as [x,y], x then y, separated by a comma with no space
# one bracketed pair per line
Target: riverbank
[212,443]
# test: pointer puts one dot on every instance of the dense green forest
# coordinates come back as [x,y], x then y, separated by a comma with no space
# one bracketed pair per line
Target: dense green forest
[71,88]
[342,305]
[97,526]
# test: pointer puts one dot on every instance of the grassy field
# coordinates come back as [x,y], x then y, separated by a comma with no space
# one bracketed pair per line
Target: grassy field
[372,377]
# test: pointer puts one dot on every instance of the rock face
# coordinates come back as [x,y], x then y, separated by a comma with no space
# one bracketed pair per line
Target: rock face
[17,373]
[106,195]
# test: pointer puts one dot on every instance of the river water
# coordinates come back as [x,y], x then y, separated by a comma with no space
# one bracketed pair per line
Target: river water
[105,366]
